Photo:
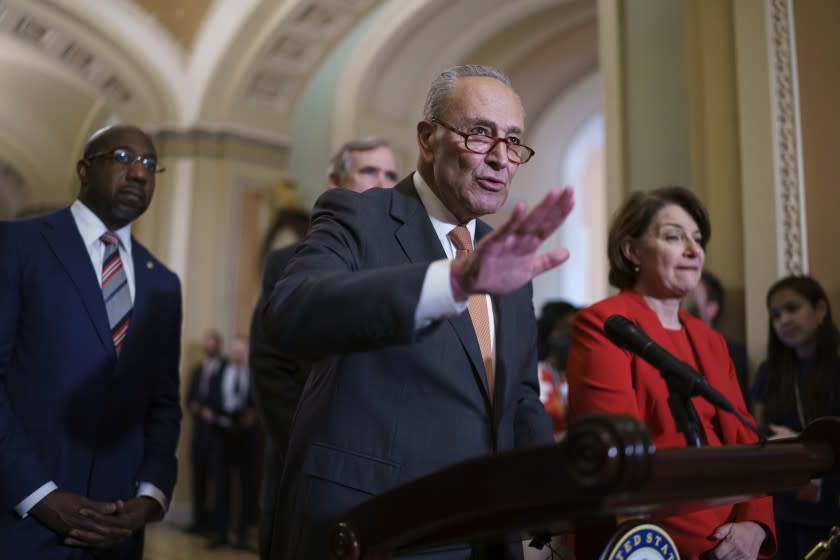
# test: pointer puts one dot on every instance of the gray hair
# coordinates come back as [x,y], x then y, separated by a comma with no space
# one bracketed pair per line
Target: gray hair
[443,84]
[340,162]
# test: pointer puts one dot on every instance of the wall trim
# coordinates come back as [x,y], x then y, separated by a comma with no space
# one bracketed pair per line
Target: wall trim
[787,139]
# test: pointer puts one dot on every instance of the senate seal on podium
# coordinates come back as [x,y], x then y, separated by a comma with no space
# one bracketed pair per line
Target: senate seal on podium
[636,540]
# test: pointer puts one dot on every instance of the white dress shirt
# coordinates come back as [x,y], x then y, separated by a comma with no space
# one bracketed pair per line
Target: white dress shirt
[234,388]
[436,298]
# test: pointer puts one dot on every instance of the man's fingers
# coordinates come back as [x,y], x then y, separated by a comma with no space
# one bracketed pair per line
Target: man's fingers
[90,539]
[535,221]
[549,214]
[108,525]
[514,222]
[105,508]
[550,260]
[70,541]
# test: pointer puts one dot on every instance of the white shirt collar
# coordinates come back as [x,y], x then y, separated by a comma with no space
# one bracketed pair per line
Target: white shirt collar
[91,227]
[442,219]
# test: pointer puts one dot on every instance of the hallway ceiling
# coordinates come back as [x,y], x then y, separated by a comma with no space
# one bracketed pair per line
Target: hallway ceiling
[181,18]
[70,66]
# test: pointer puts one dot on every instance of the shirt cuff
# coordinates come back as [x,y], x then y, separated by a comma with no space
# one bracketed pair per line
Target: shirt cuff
[436,298]
[29,502]
[150,490]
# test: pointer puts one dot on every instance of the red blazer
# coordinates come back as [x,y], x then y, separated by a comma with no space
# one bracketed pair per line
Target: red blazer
[604,378]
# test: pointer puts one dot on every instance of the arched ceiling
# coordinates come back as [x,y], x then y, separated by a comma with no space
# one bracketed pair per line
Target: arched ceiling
[182,19]
[543,45]
[70,66]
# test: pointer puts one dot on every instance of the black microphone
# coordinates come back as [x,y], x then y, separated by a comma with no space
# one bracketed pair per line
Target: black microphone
[627,334]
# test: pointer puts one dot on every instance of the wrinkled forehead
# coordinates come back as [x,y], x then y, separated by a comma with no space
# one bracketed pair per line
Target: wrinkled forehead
[380,156]
[484,100]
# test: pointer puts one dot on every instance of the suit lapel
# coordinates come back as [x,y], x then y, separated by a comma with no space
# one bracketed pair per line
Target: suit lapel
[414,232]
[63,237]
[418,239]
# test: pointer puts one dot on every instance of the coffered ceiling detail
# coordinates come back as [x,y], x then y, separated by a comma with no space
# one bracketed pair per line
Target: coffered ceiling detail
[64,49]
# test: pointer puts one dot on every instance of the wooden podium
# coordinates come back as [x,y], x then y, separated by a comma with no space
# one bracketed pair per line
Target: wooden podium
[605,468]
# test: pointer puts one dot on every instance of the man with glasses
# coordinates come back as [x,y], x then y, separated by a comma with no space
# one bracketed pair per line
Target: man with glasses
[90,335]
[423,350]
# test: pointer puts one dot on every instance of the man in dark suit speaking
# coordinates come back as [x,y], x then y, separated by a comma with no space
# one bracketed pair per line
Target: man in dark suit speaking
[404,379]
[90,329]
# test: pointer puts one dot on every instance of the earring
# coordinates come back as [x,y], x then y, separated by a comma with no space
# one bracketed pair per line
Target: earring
[636,269]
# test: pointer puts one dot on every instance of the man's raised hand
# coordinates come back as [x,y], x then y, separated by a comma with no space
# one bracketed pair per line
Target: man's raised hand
[507,259]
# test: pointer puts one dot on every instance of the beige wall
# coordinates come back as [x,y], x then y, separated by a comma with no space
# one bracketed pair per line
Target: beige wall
[713,132]
[656,143]
[818,44]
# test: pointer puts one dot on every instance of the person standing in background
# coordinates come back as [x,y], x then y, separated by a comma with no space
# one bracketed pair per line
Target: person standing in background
[203,441]
[90,341]
[235,421]
[554,327]
[359,165]
[362,164]
[799,382]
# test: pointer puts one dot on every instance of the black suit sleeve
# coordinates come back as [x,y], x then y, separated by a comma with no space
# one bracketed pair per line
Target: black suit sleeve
[343,292]
[277,378]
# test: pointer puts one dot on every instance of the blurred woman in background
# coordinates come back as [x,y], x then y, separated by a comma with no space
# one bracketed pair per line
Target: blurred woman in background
[799,382]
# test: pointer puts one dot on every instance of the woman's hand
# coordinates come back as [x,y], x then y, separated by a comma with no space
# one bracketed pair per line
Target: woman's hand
[738,541]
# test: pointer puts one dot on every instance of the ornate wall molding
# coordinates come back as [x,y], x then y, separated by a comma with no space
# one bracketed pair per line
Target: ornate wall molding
[234,145]
[787,139]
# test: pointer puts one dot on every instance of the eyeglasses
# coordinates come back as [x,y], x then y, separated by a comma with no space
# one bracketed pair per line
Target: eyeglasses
[482,144]
[128,158]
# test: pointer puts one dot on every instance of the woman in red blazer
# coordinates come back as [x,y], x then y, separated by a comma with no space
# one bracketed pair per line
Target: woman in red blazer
[656,252]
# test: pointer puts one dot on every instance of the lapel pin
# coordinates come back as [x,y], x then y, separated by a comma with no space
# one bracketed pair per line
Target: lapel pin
[150,265]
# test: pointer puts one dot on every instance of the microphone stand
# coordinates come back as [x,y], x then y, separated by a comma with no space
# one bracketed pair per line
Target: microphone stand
[683,411]
[822,550]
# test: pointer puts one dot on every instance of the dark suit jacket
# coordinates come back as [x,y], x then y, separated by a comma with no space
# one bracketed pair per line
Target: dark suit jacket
[277,378]
[71,411]
[200,441]
[604,378]
[278,382]
[384,402]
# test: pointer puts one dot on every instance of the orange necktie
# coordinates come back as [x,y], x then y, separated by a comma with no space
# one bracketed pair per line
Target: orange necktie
[477,306]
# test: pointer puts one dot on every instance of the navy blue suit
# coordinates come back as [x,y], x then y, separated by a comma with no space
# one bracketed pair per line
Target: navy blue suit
[386,403]
[71,411]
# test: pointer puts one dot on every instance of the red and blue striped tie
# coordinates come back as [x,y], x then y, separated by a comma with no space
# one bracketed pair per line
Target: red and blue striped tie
[115,290]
